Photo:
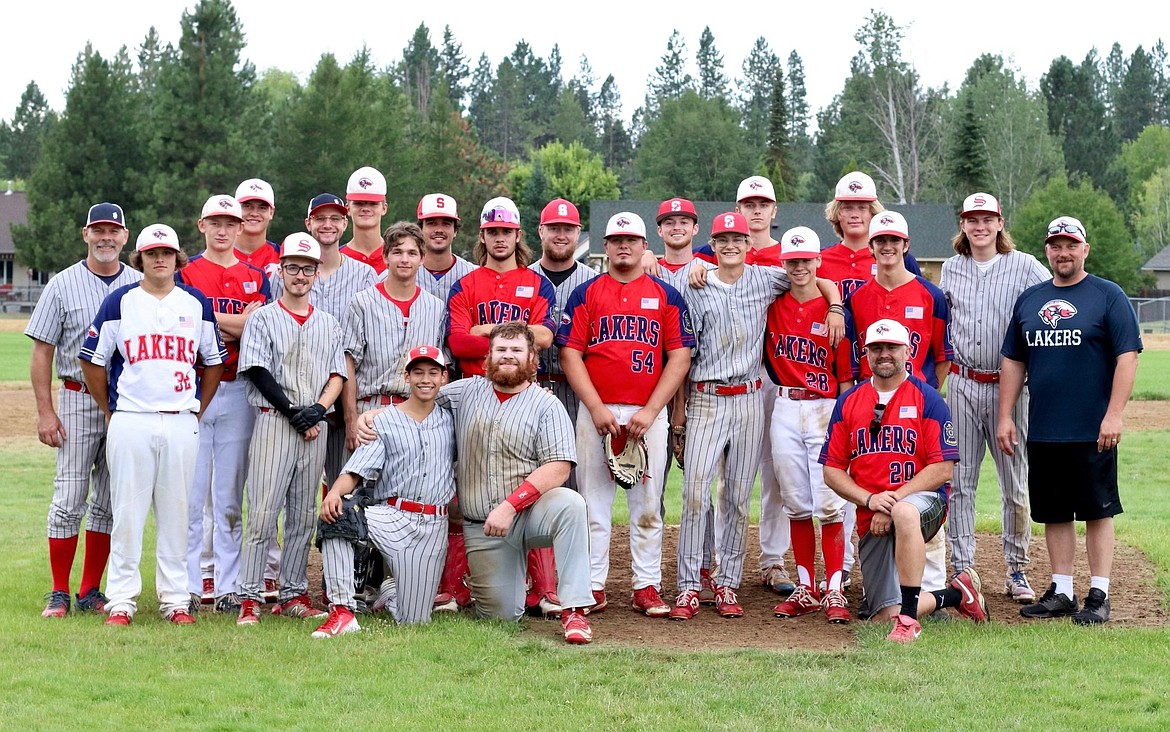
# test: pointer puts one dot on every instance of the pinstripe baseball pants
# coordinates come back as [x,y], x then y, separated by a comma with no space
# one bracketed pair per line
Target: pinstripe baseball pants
[81,465]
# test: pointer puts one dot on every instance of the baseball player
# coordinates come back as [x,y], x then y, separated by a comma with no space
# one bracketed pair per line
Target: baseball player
[809,373]
[891,450]
[235,291]
[850,262]
[292,354]
[438,217]
[921,307]
[1078,330]
[982,282]
[625,341]
[501,289]
[77,428]
[365,194]
[724,413]
[148,336]
[258,206]
[560,228]
[411,465]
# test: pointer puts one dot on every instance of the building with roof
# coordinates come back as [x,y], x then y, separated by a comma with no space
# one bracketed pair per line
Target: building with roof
[1159,266]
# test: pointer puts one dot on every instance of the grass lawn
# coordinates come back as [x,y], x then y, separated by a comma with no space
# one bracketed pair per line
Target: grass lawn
[462,674]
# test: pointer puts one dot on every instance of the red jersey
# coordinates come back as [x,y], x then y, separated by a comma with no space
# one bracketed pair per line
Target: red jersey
[796,347]
[918,305]
[229,289]
[266,258]
[374,258]
[915,431]
[624,332]
[768,256]
[488,297]
[850,269]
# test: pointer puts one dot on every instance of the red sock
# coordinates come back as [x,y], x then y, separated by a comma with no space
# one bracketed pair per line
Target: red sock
[455,567]
[97,553]
[804,549]
[833,547]
[61,553]
[542,569]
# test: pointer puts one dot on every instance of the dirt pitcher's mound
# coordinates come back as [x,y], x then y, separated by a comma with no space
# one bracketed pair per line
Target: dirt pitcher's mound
[1133,596]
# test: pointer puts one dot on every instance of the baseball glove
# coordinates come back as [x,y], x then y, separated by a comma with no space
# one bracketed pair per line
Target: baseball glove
[307,417]
[627,459]
[678,443]
[350,525]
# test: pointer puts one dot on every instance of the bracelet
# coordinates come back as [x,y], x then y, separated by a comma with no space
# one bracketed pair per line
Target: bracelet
[867,508]
[837,308]
[523,497]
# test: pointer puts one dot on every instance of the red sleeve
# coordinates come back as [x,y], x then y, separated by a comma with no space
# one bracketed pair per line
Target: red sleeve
[577,312]
[465,345]
[458,312]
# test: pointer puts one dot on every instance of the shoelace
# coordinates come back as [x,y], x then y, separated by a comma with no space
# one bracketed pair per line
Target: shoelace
[1019,580]
[835,599]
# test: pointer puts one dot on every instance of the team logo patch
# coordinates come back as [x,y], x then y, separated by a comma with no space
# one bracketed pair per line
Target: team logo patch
[755,185]
[914,312]
[225,203]
[854,186]
[908,412]
[1055,311]
[525,291]
[92,332]
[256,187]
[365,182]
[304,245]
[979,201]
[949,434]
[796,239]
[622,222]
[649,303]
[886,220]
[565,319]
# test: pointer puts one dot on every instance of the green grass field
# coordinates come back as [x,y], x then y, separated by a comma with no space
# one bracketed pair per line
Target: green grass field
[462,674]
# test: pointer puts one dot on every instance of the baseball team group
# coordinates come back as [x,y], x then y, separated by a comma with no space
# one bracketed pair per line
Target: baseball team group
[454,433]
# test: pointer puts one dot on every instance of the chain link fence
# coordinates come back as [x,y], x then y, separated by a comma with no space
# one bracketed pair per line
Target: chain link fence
[22,299]
[1153,313]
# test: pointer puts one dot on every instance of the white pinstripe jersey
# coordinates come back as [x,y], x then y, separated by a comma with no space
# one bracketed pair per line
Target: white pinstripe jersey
[300,357]
[334,293]
[982,301]
[67,307]
[550,358]
[441,286]
[379,337]
[412,460]
[729,322]
[151,345]
[501,443]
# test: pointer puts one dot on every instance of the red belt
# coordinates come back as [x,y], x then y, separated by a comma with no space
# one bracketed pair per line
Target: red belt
[710,387]
[71,385]
[982,377]
[413,507]
[384,399]
[799,394]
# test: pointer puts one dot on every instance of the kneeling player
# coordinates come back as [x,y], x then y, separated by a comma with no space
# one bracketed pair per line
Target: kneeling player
[412,463]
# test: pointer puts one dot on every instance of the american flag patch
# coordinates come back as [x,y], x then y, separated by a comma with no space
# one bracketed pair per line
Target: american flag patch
[250,287]
[819,328]
[910,412]
[873,270]
[186,321]
[649,303]
[525,291]
[914,312]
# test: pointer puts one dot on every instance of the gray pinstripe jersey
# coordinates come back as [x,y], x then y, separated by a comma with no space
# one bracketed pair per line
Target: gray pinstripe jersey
[981,303]
[441,287]
[550,358]
[379,338]
[411,460]
[300,357]
[503,442]
[729,323]
[67,307]
[678,279]
[334,294]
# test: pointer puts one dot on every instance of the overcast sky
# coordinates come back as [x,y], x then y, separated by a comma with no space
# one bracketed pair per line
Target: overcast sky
[623,38]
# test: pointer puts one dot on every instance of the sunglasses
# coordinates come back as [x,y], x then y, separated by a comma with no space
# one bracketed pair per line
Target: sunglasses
[499,216]
[875,424]
[1065,228]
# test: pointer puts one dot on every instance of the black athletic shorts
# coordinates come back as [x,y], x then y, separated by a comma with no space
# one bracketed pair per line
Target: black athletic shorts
[1071,481]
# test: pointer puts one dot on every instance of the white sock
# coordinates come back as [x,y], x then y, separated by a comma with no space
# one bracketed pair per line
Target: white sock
[1100,583]
[1064,584]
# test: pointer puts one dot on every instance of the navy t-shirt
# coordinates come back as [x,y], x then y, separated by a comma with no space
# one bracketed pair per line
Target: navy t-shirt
[1069,338]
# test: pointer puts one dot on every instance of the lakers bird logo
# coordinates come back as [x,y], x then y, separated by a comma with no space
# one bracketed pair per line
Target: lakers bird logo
[1055,311]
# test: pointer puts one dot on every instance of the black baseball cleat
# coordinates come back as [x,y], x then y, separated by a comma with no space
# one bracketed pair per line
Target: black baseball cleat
[1051,605]
[1096,609]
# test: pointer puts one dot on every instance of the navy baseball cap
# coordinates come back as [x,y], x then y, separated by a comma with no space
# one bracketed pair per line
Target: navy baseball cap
[106,213]
[321,200]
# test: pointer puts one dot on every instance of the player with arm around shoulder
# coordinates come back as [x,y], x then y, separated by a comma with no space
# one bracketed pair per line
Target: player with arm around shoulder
[77,427]
[139,361]
[891,450]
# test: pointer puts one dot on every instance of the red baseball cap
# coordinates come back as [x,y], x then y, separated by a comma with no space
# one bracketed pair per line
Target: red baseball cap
[676,206]
[730,222]
[426,353]
[560,211]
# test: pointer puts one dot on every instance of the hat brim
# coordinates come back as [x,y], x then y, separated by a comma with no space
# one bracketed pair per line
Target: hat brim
[799,255]
[974,211]
[499,225]
[866,199]
[561,220]
[438,215]
[769,199]
[889,232]
[612,234]
[366,197]
[412,362]
[662,217]
[339,206]
[257,198]
[889,341]
[1066,235]
[105,221]
[717,232]
[158,245]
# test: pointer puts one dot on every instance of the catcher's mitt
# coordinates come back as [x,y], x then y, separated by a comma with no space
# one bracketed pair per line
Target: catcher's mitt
[627,459]
[678,443]
[350,525]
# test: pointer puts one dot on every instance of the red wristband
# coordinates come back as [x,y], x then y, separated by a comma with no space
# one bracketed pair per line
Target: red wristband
[523,497]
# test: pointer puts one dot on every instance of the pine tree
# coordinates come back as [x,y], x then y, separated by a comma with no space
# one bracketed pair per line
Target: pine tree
[453,69]
[966,160]
[419,69]
[1076,115]
[755,92]
[712,82]
[670,78]
[1136,105]
[616,147]
[798,110]
[20,142]
[778,159]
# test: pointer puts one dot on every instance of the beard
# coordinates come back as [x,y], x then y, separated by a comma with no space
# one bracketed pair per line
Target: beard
[510,379]
[886,369]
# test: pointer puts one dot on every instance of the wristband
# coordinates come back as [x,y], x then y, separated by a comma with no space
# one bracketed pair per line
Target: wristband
[867,508]
[523,497]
